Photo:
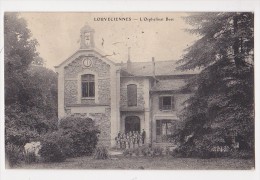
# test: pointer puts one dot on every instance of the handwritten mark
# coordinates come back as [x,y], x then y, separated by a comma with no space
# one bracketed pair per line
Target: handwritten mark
[114,54]
[116,43]
[102,42]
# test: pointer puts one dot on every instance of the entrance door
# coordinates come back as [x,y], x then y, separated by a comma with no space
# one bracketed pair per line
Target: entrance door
[132,123]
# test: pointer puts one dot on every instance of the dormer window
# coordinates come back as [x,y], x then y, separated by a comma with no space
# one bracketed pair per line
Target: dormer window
[88,85]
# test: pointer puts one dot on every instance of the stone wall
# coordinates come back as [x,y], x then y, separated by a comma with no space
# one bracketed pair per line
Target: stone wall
[104,91]
[140,91]
[179,99]
[99,66]
[102,120]
[88,101]
[72,92]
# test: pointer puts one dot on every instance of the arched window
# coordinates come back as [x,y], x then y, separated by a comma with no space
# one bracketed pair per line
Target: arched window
[88,85]
[132,95]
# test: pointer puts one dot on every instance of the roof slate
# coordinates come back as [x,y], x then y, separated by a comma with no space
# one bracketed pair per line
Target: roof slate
[162,68]
[169,85]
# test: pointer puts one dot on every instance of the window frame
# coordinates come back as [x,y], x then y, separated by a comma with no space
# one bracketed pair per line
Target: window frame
[128,95]
[88,83]
[163,107]
[161,125]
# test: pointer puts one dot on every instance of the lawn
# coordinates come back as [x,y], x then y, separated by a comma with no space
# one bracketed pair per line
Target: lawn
[156,163]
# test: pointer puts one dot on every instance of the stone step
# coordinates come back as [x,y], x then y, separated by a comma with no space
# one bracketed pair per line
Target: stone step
[114,152]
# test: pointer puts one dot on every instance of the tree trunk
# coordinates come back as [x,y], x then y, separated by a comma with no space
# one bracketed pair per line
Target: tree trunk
[238,60]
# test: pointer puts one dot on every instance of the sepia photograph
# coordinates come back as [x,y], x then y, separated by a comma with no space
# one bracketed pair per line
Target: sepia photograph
[129,90]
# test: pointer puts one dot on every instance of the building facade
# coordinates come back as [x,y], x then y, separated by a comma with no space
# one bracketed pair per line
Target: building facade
[121,97]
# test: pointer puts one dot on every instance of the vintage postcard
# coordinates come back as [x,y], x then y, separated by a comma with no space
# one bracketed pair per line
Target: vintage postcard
[118,90]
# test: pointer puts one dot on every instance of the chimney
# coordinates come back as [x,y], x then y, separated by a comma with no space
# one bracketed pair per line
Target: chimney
[155,80]
[129,64]
[153,67]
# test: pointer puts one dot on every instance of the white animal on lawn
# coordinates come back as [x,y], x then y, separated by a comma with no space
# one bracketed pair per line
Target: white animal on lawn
[32,148]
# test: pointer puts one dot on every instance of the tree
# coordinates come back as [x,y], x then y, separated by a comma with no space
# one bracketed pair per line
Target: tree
[42,90]
[222,107]
[20,51]
[30,91]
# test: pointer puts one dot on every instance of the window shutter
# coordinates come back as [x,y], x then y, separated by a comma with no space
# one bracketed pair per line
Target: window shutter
[158,127]
[132,94]
[160,102]
[173,103]
[91,89]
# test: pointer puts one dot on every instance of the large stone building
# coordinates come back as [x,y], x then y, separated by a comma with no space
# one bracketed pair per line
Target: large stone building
[120,96]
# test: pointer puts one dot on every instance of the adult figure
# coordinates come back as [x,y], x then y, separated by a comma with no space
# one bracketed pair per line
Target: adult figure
[140,139]
[118,142]
[119,135]
[143,135]
[131,144]
[127,142]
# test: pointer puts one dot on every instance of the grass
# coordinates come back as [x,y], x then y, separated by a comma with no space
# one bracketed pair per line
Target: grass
[156,163]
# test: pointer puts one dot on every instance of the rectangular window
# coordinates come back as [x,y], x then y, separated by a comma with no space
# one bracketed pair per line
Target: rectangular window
[88,85]
[132,95]
[164,130]
[166,103]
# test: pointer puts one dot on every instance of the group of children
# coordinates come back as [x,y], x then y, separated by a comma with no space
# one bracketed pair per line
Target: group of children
[130,140]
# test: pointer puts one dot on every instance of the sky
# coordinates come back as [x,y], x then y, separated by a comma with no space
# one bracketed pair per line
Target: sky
[58,35]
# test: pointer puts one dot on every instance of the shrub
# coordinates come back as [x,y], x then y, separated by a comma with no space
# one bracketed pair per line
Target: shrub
[152,151]
[137,151]
[82,133]
[128,152]
[19,135]
[131,152]
[144,151]
[242,154]
[55,144]
[101,152]
[14,154]
[147,150]
[62,141]
[167,151]
[29,158]
[51,152]
[22,127]
[157,151]
[192,151]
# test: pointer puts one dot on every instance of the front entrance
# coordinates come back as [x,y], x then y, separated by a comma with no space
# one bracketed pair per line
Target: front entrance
[132,123]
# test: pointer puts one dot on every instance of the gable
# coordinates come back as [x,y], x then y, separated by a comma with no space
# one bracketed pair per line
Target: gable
[88,53]
[74,68]
[96,66]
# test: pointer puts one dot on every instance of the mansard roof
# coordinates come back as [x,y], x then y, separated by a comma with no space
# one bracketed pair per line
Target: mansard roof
[162,68]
